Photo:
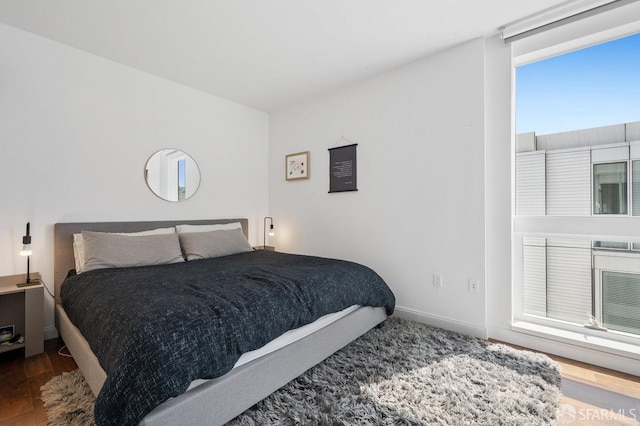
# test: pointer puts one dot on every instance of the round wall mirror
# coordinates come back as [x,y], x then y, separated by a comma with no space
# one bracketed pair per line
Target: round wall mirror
[172,175]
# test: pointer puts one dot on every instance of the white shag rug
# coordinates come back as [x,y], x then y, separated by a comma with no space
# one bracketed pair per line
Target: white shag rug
[68,400]
[403,373]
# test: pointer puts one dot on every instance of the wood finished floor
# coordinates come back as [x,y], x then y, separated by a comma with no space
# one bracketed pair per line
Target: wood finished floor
[594,395]
[20,381]
[21,378]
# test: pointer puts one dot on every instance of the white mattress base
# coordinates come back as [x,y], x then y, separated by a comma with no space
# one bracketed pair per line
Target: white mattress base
[286,339]
[221,399]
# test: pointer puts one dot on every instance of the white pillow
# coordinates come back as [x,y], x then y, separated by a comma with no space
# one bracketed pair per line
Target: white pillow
[78,243]
[186,229]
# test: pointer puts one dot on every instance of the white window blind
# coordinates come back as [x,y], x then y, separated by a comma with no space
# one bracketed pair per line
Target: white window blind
[607,24]
[569,295]
[568,183]
[534,276]
[530,184]
[621,301]
[635,187]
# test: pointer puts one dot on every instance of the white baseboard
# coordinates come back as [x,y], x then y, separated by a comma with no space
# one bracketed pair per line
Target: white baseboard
[50,332]
[567,350]
[441,322]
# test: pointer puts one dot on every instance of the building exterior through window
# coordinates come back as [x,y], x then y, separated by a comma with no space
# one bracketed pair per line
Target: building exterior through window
[591,173]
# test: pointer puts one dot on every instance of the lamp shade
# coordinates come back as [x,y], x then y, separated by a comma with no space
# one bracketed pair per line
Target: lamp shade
[26,250]
[26,242]
[271,230]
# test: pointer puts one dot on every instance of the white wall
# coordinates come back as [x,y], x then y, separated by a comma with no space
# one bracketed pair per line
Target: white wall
[76,131]
[420,206]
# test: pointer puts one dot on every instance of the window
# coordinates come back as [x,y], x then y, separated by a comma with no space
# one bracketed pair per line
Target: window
[577,172]
[620,301]
[610,188]
[617,288]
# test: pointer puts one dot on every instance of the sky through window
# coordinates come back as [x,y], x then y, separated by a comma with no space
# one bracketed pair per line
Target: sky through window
[592,87]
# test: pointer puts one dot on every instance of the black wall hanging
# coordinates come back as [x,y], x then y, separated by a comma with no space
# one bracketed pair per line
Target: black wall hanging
[343,169]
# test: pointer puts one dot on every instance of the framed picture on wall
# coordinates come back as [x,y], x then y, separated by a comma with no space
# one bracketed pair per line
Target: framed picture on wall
[343,175]
[297,166]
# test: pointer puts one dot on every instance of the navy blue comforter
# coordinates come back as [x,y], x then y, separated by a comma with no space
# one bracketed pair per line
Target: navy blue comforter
[155,329]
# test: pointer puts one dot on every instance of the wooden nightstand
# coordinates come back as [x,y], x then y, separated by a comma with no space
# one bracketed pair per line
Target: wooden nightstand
[23,307]
[271,248]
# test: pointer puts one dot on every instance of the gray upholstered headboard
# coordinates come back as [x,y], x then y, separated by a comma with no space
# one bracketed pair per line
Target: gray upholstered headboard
[63,239]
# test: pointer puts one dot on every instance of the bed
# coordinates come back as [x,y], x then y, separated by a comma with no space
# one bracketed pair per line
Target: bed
[255,375]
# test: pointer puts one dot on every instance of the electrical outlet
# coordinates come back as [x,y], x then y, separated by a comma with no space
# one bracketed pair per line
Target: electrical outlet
[474,286]
[437,280]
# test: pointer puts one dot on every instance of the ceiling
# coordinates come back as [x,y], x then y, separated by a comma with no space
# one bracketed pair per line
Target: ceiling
[265,54]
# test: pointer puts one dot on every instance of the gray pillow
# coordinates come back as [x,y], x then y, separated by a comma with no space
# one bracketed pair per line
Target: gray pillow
[203,245]
[104,250]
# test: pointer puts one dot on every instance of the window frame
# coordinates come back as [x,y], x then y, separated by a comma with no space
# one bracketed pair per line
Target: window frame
[627,192]
[552,226]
